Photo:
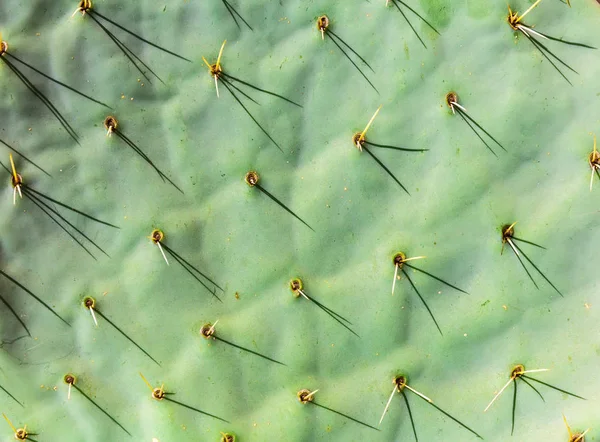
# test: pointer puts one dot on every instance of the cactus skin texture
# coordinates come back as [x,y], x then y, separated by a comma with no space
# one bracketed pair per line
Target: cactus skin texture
[459,196]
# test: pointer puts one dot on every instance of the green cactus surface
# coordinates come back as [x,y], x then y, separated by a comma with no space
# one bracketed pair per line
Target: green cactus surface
[116,342]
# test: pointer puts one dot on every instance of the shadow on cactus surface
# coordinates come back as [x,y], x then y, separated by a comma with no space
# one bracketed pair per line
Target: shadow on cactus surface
[144,316]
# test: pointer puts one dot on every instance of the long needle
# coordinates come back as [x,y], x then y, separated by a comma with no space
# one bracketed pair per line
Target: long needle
[10,423]
[310,395]
[387,406]
[146,382]
[419,394]
[220,54]
[93,315]
[593,165]
[398,266]
[163,252]
[395,278]
[528,10]
[512,378]
[211,330]
[361,138]
[16,180]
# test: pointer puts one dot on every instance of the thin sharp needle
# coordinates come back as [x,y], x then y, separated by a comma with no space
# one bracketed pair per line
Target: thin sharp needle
[387,406]
[217,85]
[499,393]
[211,330]
[206,62]
[9,423]
[594,166]
[163,252]
[419,394]
[69,393]
[528,29]
[535,371]
[220,54]
[413,258]
[458,106]
[580,437]
[512,246]
[364,132]
[529,10]
[568,427]
[146,382]
[12,165]
[302,293]
[395,277]
[311,394]
[94,316]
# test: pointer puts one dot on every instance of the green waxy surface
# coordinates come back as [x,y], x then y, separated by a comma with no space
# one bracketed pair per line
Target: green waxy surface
[461,195]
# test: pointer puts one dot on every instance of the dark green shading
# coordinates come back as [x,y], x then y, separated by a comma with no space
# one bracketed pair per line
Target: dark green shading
[101,409]
[262,189]
[127,337]
[386,169]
